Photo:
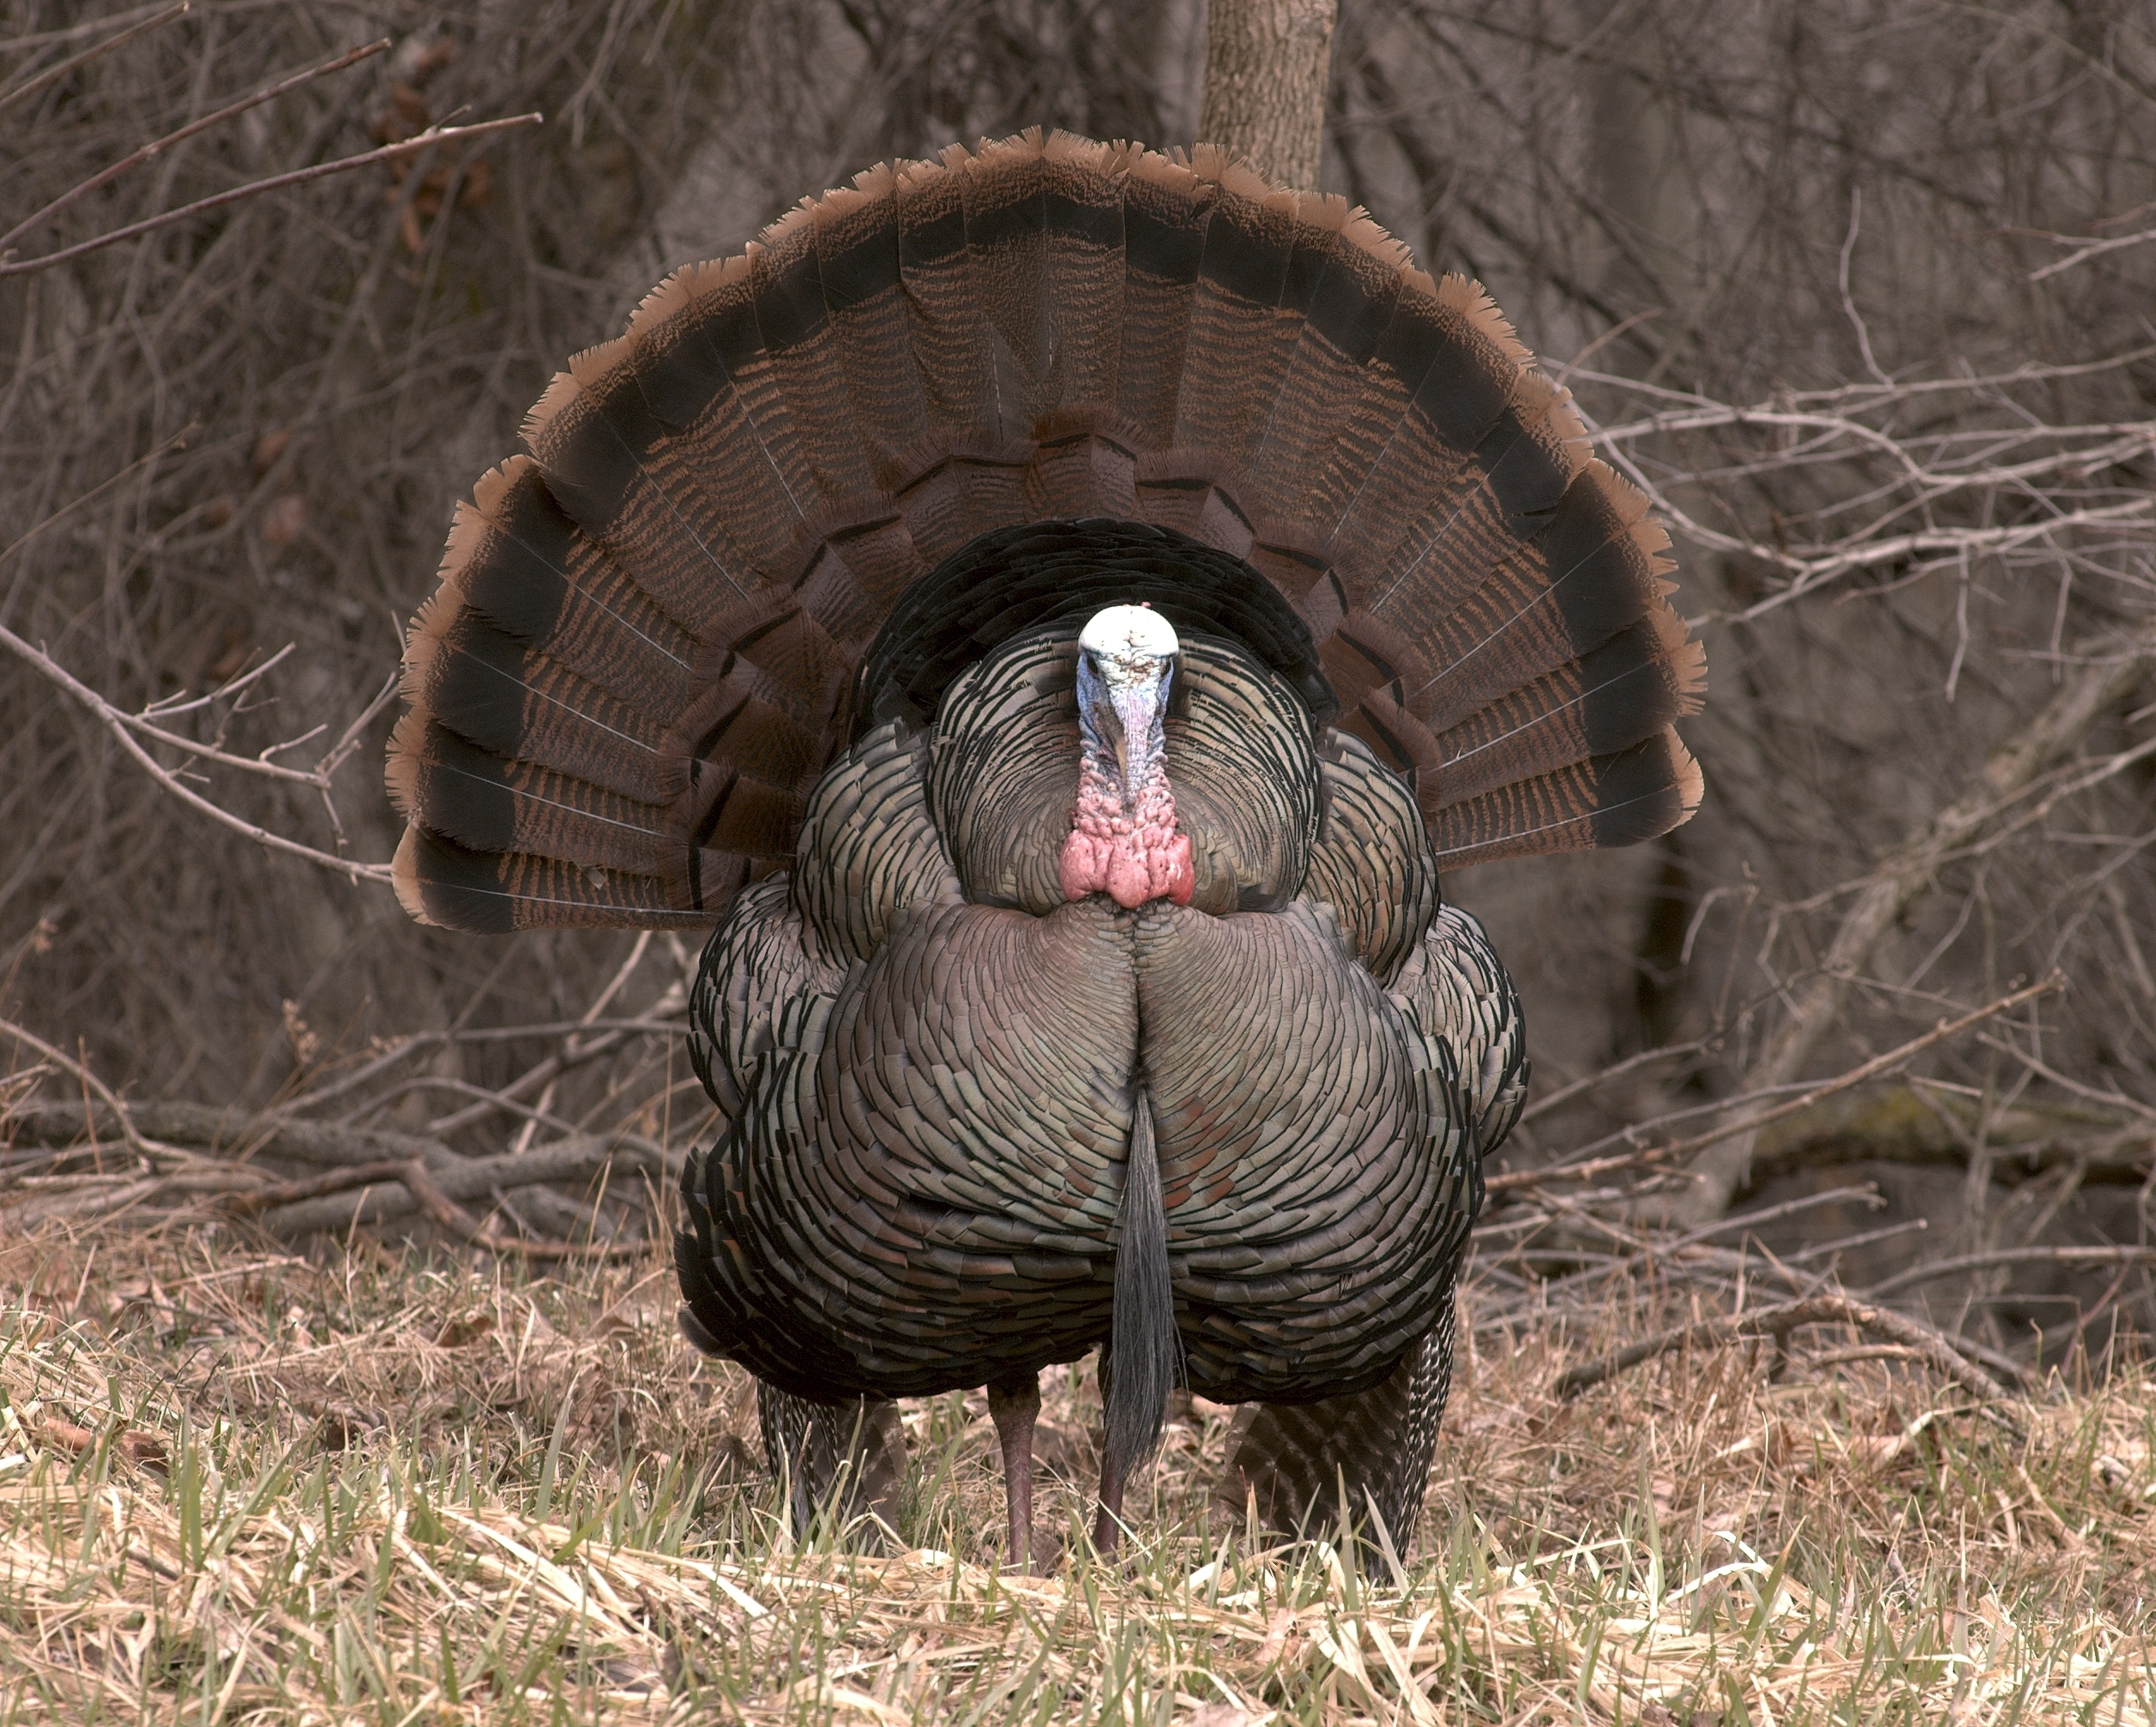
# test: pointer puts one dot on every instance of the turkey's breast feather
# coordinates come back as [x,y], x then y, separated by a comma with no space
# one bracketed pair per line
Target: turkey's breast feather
[921,1188]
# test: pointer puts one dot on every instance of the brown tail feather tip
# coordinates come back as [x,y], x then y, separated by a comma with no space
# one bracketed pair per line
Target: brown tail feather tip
[403,874]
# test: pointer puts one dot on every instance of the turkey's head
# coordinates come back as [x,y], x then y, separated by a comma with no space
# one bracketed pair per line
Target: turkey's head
[1123,840]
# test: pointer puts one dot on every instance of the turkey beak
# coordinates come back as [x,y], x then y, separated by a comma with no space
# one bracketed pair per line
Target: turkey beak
[1137,721]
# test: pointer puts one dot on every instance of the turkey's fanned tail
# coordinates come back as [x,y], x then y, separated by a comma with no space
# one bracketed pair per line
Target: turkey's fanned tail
[648,638]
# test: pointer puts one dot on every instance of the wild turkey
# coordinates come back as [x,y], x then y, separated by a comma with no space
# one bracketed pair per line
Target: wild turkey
[1058,609]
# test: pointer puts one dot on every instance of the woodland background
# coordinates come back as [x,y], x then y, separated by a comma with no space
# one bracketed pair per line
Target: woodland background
[1861,290]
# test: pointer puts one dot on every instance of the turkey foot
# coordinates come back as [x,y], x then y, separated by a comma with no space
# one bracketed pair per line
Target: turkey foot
[1013,1404]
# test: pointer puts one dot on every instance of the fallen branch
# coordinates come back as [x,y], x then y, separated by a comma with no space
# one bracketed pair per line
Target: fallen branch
[370,1201]
[427,1195]
[1933,1348]
[317,1187]
[232,1131]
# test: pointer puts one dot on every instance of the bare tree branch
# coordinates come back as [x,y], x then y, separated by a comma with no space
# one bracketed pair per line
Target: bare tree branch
[157,148]
[52,75]
[1869,1070]
[124,726]
[428,140]
[1905,873]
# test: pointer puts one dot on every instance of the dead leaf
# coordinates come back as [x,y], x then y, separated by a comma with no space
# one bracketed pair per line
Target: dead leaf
[234,651]
[66,1435]
[268,447]
[1226,1715]
[285,520]
[457,1333]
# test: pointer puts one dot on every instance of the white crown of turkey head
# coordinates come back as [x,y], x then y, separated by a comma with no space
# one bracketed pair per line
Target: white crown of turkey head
[1123,839]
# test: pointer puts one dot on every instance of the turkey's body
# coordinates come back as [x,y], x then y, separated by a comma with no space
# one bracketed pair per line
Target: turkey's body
[783,626]
[928,1159]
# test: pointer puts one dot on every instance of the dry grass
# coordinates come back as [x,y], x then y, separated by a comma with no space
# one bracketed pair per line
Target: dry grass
[240,1485]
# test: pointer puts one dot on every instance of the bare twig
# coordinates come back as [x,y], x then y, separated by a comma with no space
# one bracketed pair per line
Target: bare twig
[52,75]
[124,726]
[1514,1181]
[118,1117]
[1564,1095]
[178,441]
[158,147]
[2091,248]
[2126,1255]
[428,140]
[1868,1070]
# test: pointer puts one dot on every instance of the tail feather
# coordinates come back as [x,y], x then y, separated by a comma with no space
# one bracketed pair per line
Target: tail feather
[1622,694]
[491,893]
[804,356]
[731,324]
[1444,388]
[605,458]
[1166,209]
[856,256]
[1593,571]
[1144,1350]
[1083,192]
[490,803]
[517,560]
[652,632]
[1614,800]
[1241,331]
[1344,291]
[705,382]
[944,322]
[1006,234]
[528,707]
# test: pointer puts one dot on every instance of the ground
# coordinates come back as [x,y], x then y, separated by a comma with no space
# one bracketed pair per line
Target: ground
[237,1484]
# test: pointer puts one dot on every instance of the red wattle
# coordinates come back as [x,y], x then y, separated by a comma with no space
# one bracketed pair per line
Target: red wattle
[1130,857]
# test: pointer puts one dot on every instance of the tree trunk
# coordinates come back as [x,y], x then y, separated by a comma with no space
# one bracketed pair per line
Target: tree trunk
[1265,75]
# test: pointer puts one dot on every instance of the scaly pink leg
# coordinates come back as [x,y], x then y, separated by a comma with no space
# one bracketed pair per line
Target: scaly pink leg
[1013,1404]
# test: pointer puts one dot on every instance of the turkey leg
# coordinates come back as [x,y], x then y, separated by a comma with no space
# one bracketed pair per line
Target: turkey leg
[1013,1404]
